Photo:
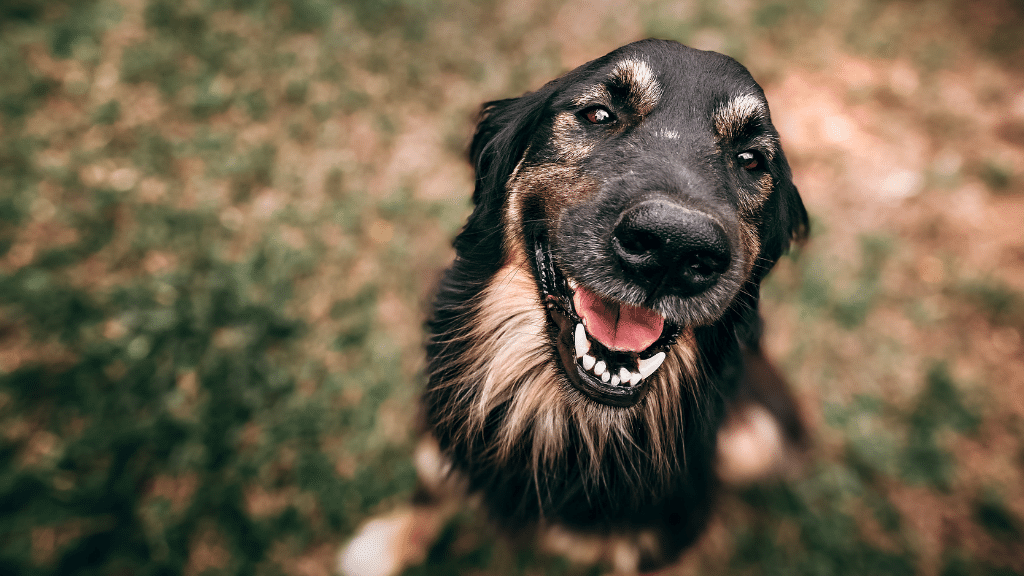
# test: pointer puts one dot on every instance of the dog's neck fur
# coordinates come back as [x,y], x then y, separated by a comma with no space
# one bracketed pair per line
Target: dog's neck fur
[517,432]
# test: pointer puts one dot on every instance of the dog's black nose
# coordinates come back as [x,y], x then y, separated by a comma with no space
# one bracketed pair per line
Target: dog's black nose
[676,248]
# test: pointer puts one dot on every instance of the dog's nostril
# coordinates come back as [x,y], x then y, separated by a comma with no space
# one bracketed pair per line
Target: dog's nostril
[639,241]
[683,249]
[707,262]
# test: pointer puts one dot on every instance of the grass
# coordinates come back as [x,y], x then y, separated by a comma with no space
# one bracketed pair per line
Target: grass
[220,224]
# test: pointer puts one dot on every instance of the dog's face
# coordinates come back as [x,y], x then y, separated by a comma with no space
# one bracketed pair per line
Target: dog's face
[625,216]
[650,190]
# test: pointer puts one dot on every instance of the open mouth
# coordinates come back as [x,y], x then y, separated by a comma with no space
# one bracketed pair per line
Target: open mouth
[608,349]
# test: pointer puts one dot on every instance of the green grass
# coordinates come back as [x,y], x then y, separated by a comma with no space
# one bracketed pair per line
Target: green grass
[214,267]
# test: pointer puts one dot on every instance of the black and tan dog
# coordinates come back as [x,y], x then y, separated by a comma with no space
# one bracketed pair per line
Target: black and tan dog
[600,322]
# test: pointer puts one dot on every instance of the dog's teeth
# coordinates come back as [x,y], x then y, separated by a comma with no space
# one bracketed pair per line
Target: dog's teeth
[615,380]
[624,374]
[572,284]
[582,344]
[601,368]
[649,365]
[605,376]
[635,378]
[588,361]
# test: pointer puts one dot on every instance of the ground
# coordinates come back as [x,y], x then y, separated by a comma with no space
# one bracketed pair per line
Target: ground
[221,221]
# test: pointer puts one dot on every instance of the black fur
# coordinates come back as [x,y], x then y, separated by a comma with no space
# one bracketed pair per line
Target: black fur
[632,491]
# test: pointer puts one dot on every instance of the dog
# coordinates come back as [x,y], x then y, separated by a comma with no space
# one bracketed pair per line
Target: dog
[594,358]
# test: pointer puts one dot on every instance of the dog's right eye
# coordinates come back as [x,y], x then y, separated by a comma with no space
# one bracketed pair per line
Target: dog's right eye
[751,160]
[598,115]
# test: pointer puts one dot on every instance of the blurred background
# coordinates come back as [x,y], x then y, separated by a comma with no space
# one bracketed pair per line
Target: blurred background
[221,221]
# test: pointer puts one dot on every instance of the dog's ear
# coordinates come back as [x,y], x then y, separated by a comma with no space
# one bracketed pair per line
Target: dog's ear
[784,220]
[503,133]
[799,226]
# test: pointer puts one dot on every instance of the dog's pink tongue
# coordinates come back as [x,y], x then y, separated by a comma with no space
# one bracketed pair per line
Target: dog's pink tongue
[618,326]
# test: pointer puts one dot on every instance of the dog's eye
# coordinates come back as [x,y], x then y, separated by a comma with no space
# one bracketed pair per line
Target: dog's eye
[598,115]
[750,160]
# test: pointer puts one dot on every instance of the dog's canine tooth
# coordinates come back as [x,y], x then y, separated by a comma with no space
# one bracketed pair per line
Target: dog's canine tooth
[601,368]
[635,378]
[647,366]
[582,344]
[588,361]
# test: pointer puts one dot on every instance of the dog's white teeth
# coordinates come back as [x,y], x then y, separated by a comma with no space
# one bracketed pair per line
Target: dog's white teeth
[600,368]
[649,365]
[582,344]
[572,284]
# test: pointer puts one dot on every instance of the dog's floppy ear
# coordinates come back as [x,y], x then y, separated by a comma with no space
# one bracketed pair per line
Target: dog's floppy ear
[785,221]
[502,136]
[798,226]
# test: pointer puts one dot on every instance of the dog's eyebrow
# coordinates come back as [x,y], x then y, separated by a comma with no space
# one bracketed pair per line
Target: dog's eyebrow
[738,113]
[740,116]
[598,93]
[640,83]
[633,78]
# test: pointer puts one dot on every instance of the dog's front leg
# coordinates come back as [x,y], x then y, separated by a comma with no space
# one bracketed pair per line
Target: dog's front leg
[763,430]
[387,544]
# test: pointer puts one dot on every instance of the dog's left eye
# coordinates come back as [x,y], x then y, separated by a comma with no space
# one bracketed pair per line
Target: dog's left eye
[598,115]
[750,160]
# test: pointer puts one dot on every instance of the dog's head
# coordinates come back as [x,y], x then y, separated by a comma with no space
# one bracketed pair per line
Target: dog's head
[646,190]
[624,217]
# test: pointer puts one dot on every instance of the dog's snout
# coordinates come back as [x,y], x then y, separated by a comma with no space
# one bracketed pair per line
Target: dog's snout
[662,242]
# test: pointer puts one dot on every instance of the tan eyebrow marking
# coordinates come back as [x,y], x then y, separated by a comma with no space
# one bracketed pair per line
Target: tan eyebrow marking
[635,76]
[643,89]
[733,116]
[593,94]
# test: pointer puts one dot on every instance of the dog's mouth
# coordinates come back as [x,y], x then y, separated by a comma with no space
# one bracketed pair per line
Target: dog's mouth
[609,350]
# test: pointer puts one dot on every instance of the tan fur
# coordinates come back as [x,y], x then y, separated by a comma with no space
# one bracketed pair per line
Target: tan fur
[554,182]
[567,139]
[513,362]
[751,445]
[751,202]
[593,95]
[641,82]
[751,243]
[731,117]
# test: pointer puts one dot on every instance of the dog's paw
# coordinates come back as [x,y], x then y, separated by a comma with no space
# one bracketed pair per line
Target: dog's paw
[751,446]
[386,545]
